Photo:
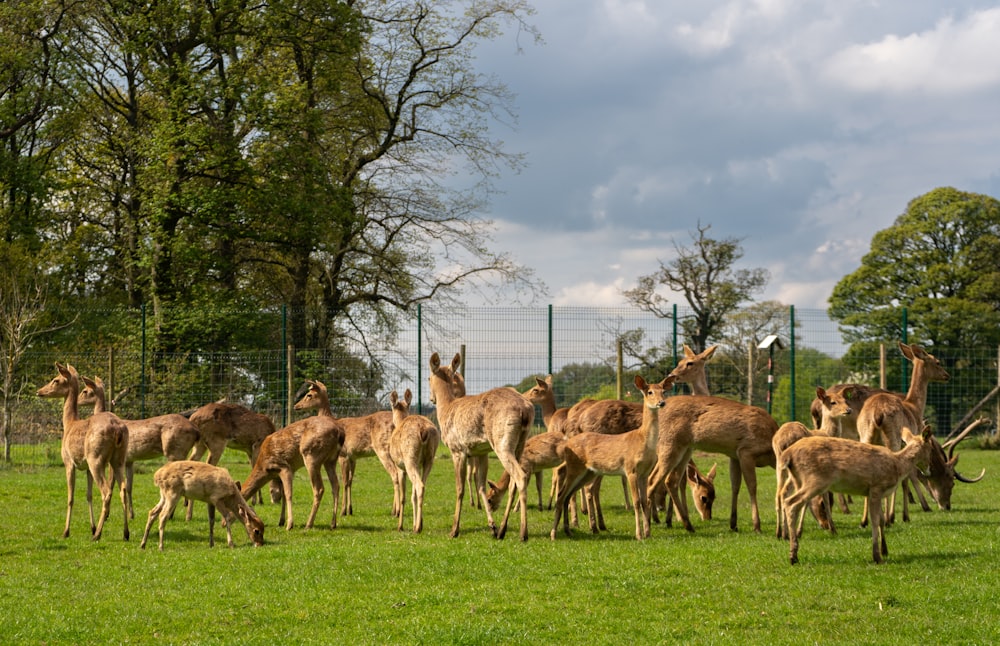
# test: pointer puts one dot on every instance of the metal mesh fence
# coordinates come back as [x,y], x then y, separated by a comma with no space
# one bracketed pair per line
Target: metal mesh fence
[501,346]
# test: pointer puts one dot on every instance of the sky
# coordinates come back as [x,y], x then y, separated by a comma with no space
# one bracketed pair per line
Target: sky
[800,127]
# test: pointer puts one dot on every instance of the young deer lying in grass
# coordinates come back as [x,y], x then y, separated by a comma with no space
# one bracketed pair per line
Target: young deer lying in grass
[632,454]
[95,444]
[884,415]
[313,442]
[816,465]
[412,446]
[209,484]
[170,436]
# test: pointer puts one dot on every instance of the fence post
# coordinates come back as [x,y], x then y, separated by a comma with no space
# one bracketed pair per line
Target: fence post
[550,338]
[289,386]
[620,385]
[420,360]
[287,367]
[791,357]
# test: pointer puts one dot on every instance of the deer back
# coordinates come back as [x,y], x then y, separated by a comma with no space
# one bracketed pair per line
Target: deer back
[718,425]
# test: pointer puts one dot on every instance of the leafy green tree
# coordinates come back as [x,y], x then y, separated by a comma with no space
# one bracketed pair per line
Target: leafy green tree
[705,275]
[938,263]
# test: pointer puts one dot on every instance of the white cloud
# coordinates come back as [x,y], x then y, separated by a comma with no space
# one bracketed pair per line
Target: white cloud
[954,56]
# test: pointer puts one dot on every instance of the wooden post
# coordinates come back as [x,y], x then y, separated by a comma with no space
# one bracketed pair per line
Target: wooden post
[881,366]
[620,385]
[290,395]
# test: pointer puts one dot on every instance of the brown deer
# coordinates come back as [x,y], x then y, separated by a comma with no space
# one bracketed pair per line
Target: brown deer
[542,451]
[941,472]
[818,464]
[702,487]
[213,485]
[94,444]
[690,370]
[884,415]
[632,454]
[714,425]
[364,437]
[498,419]
[412,446]
[171,436]
[543,395]
[313,442]
[788,434]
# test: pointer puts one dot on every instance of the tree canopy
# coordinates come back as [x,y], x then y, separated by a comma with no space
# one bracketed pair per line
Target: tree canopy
[705,274]
[298,153]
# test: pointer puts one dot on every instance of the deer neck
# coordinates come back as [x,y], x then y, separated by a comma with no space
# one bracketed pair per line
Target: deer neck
[650,428]
[917,394]
[699,385]
[71,412]
[548,406]
[397,417]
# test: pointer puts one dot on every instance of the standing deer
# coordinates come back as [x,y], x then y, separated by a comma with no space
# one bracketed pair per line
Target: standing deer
[542,451]
[412,446]
[554,418]
[884,415]
[364,437]
[632,454]
[498,419]
[313,442]
[788,434]
[94,444]
[210,484]
[818,464]
[170,436]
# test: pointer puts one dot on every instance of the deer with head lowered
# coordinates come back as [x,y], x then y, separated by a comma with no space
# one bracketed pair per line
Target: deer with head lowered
[631,454]
[96,444]
[884,415]
[313,442]
[412,446]
[498,419]
[171,436]
[819,464]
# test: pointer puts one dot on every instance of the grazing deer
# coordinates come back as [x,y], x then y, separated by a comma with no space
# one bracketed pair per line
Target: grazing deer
[884,415]
[412,446]
[170,436]
[94,444]
[702,487]
[631,454]
[313,442]
[498,419]
[199,481]
[221,424]
[941,473]
[542,451]
[817,464]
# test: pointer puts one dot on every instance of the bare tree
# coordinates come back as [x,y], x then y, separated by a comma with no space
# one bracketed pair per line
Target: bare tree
[22,319]
[704,275]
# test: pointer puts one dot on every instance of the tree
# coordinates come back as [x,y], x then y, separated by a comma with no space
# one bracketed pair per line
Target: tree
[23,318]
[705,276]
[938,261]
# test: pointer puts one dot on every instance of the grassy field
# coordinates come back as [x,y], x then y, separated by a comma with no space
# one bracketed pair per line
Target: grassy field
[366,583]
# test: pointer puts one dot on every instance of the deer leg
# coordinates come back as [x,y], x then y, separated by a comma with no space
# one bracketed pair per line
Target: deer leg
[878,522]
[401,492]
[287,477]
[118,473]
[347,508]
[595,503]
[924,506]
[169,505]
[629,499]
[104,487]
[331,475]
[735,480]
[538,487]
[460,462]
[154,514]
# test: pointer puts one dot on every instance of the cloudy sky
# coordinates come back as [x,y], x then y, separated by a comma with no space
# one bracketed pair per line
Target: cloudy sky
[802,127]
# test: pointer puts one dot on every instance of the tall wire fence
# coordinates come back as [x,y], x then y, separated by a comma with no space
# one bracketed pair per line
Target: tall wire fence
[500,346]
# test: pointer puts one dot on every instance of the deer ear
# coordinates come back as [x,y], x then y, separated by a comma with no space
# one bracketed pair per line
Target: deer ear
[435,361]
[710,351]
[820,392]
[688,352]
[393,398]
[640,383]
[456,363]
[408,396]
[541,383]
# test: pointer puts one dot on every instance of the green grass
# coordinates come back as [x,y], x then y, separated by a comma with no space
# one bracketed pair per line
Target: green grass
[366,583]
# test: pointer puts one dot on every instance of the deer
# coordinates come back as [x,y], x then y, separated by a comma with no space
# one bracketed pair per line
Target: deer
[788,434]
[884,415]
[413,445]
[498,419]
[364,437]
[196,480]
[632,454]
[941,472]
[819,464]
[221,424]
[313,442]
[542,451]
[715,425]
[554,419]
[95,444]
[171,436]
[690,370]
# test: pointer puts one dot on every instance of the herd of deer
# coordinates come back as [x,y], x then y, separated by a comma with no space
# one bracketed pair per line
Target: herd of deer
[865,442]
